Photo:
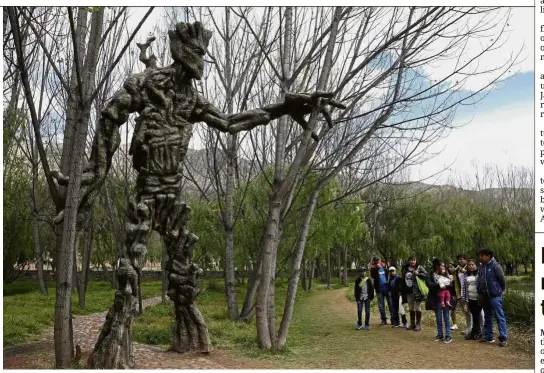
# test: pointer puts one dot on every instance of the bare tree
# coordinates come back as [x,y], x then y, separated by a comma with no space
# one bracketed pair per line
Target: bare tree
[81,91]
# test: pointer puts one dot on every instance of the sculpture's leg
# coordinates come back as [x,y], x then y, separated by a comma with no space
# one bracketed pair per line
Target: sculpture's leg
[114,349]
[190,331]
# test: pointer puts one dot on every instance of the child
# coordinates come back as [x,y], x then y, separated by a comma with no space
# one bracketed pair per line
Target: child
[364,293]
[397,309]
[452,269]
[470,299]
[444,281]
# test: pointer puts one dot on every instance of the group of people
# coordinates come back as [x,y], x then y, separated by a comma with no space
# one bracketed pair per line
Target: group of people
[474,287]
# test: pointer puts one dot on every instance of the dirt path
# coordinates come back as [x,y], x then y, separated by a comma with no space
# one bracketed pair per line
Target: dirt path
[40,355]
[384,347]
[325,322]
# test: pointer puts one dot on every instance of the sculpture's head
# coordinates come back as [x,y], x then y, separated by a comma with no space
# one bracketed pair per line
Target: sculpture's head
[188,45]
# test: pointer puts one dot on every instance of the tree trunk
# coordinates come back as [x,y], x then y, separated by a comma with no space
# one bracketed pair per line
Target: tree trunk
[248,309]
[341,271]
[268,246]
[311,277]
[304,286]
[293,282]
[230,278]
[87,247]
[63,318]
[329,268]
[75,277]
[228,214]
[164,276]
[271,312]
[346,268]
[35,224]
[38,253]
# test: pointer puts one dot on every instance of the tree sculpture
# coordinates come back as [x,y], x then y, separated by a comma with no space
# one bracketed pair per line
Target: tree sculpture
[168,106]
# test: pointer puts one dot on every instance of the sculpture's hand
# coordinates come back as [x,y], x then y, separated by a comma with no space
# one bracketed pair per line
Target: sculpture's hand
[300,104]
[88,185]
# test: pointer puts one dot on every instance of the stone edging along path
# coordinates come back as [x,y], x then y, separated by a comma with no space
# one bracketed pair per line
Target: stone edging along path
[86,330]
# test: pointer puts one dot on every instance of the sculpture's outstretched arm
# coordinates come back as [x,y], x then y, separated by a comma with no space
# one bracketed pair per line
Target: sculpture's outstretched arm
[105,143]
[297,105]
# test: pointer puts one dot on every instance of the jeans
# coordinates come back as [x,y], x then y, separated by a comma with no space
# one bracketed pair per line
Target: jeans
[475,310]
[360,312]
[442,313]
[494,307]
[395,304]
[381,304]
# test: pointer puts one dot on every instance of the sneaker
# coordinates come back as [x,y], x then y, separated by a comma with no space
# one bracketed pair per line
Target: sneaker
[503,344]
[405,325]
[367,327]
[417,328]
[384,322]
[485,340]
[438,338]
[454,327]
[358,327]
[447,339]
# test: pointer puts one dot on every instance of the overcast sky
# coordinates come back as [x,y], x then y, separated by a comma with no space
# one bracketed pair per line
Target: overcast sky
[499,129]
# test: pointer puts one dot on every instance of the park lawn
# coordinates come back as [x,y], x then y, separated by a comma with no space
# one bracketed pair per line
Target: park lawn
[322,335]
[155,326]
[27,313]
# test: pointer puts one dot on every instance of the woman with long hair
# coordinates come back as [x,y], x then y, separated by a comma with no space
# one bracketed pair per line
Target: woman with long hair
[410,271]
[470,299]
[433,301]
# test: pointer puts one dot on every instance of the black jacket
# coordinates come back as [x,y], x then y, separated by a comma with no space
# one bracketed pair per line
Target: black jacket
[395,286]
[434,289]
[422,274]
[358,290]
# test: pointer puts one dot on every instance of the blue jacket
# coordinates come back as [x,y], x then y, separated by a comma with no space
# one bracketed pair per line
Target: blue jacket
[491,281]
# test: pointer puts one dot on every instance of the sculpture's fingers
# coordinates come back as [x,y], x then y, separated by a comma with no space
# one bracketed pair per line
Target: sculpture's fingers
[300,98]
[337,104]
[300,120]
[327,116]
[322,94]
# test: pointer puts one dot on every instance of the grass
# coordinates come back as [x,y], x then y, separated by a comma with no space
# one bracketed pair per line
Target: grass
[155,325]
[27,313]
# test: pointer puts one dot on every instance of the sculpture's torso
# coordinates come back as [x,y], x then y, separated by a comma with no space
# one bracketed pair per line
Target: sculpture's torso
[162,132]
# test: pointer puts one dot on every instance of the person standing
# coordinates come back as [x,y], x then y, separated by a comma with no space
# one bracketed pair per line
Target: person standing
[395,285]
[410,271]
[378,271]
[491,286]
[470,300]
[364,293]
[454,298]
[433,302]
[462,267]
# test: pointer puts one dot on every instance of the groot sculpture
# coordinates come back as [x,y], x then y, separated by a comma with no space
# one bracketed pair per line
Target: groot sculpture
[168,105]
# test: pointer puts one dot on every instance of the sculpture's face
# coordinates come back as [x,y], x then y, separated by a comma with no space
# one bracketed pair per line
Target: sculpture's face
[188,44]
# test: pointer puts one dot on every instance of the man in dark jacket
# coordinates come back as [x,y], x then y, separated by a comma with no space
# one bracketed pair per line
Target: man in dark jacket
[364,293]
[379,273]
[395,284]
[491,286]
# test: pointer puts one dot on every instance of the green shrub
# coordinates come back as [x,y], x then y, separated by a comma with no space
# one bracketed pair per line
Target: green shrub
[519,308]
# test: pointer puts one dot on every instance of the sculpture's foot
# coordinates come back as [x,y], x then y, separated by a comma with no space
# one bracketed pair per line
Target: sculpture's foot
[114,349]
[190,331]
